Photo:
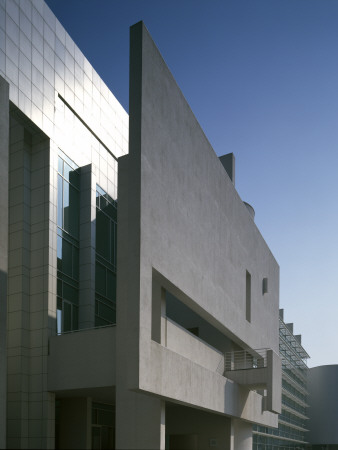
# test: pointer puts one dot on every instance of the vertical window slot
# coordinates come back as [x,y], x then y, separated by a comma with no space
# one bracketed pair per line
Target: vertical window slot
[248,297]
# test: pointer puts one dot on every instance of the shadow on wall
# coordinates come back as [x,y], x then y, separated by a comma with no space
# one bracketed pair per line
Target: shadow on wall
[3,356]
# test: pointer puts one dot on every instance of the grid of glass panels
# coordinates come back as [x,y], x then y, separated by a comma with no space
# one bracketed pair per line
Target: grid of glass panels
[292,428]
[67,244]
[103,426]
[105,266]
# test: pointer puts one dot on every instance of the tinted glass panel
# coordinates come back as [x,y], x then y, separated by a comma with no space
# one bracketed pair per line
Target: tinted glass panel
[70,293]
[75,319]
[67,170]
[113,242]
[100,279]
[67,258]
[66,206]
[102,234]
[60,165]
[75,263]
[74,212]
[105,417]
[100,322]
[59,288]
[74,179]
[107,313]
[59,253]
[59,321]
[60,202]
[111,285]
[67,316]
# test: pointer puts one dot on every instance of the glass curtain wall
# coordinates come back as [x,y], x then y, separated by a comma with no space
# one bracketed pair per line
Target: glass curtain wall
[105,266]
[292,422]
[67,244]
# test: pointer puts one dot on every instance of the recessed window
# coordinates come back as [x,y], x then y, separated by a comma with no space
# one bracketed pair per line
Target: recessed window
[265,286]
[248,296]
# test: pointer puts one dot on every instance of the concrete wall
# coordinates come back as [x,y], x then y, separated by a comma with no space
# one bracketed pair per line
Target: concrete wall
[323,401]
[184,227]
[83,359]
[186,344]
[200,428]
[194,229]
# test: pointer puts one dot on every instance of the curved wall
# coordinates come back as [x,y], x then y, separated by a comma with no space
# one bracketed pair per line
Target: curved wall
[323,411]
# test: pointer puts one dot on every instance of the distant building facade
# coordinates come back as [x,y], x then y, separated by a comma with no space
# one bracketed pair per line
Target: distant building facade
[136,290]
[323,412]
[293,423]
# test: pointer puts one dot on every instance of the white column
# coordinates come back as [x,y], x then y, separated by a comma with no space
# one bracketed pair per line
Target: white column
[140,421]
[241,432]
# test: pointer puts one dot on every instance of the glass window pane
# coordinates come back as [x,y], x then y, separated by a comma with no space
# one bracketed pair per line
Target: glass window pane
[71,209]
[66,205]
[60,165]
[100,322]
[60,202]
[74,178]
[100,279]
[113,243]
[67,258]
[59,321]
[111,286]
[96,438]
[75,317]
[59,253]
[103,203]
[74,208]
[75,263]
[100,190]
[102,234]
[107,313]
[70,293]
[67,170]
[110,210]
[114,213]
[105,417]
[59,288]
[67,316]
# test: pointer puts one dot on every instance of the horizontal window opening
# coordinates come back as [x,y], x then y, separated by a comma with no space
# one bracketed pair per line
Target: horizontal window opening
[184,316]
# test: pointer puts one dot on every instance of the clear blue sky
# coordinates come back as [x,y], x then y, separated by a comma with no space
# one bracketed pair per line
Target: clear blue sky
[262,79]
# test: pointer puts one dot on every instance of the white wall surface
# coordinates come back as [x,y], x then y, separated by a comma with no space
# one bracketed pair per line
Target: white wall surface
[189,230]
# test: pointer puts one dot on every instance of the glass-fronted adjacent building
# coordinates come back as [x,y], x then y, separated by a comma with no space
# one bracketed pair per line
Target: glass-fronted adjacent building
[293,425]
[118,303]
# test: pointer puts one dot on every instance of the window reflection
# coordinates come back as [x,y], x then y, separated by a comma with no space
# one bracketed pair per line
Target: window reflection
[105,268]
[67,244]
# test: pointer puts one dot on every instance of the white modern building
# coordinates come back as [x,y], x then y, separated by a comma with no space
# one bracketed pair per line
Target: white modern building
[138,299]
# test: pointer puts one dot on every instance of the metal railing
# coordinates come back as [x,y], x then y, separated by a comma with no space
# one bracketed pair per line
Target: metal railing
[243,359]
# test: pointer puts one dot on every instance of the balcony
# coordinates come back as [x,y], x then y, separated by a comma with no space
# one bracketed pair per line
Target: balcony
[256,369]
[82,359]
